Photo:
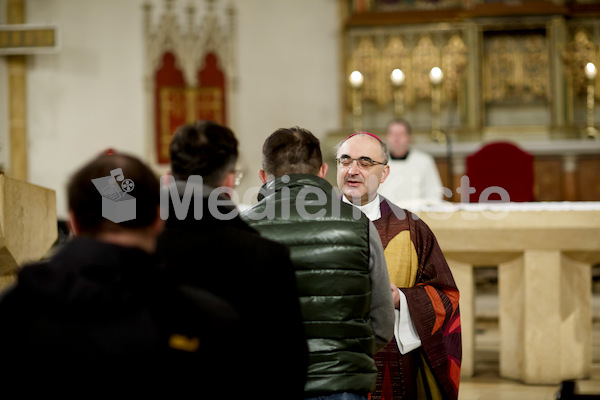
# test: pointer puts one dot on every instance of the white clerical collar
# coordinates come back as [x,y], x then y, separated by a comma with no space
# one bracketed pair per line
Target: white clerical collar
[371,209]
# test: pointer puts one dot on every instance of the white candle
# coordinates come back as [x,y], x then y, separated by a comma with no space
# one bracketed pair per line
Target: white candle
[590,70]
[397,77]
[356,79]
[436,75]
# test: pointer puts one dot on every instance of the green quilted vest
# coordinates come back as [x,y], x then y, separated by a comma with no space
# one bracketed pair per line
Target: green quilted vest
[330,252]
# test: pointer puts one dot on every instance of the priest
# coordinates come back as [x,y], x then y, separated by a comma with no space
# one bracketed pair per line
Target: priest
[414,178]
[423,359]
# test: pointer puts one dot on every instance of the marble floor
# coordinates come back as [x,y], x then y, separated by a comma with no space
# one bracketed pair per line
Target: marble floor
[486,384]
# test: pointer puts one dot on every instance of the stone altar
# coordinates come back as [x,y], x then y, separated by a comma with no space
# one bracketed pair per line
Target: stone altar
[28,224]
[544,253]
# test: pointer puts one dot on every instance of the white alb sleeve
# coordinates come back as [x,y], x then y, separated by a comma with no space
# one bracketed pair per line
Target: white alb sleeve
[406,335]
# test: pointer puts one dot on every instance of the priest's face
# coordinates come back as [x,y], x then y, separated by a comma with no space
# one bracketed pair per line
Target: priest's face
[357,182]
[398,139]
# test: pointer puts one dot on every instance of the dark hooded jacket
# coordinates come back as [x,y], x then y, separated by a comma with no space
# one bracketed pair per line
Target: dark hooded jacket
[106,316]
[217,251]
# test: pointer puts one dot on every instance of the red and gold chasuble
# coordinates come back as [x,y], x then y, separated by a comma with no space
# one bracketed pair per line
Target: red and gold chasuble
[417,266]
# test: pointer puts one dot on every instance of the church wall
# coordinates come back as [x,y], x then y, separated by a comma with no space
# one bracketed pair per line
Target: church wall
[90,95]
[288,68]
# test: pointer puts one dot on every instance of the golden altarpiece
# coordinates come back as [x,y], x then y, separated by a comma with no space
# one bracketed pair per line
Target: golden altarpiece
[512,70]
[474,72]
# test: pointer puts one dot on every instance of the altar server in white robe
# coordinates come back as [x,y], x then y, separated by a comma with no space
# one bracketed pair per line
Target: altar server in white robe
[414,179]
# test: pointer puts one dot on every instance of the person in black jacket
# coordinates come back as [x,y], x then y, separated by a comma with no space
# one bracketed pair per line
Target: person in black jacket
[207,244]
[101,314]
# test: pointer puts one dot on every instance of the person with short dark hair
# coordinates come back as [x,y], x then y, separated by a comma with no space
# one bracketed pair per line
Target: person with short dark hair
[210,247]
[101,312]
[85,202]
[204,149]
[340,266]
[293,150]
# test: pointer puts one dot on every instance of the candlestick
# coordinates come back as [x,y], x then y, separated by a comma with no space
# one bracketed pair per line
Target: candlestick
[590,131]
[590,70]
[435,77]
[397,79]
[356,80]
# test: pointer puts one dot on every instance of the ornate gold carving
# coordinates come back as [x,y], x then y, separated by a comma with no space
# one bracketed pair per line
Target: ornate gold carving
[454,61]
[396,55]
[578,53]
[536,68]
[425,56]
[375,56]
[365,58]
[516,68]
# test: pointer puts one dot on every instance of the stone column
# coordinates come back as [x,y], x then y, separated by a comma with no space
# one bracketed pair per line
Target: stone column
[463,276]
[558,33]
[545,318]
[474,85]
[576,318]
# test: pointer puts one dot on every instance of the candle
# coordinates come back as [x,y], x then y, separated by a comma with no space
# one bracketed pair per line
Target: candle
[590,71]
[436,75]
[356,79]
[397,77]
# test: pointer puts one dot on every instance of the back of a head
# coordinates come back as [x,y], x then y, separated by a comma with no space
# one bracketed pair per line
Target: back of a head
[292,151]
[204,148]
[85,202]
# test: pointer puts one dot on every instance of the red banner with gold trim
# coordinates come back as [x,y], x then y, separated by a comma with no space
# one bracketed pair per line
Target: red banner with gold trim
[177,104]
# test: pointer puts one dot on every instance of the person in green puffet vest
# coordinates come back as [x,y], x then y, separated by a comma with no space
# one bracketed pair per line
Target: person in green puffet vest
[341,273]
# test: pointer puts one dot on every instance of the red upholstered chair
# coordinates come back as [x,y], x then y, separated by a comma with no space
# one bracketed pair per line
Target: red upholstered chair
[501,164]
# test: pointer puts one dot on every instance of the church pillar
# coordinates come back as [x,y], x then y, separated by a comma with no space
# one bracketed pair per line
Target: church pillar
[473,122]
[463,276]
[576,318]
[545,331]
[558,34]
[17,112]
[510,292]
